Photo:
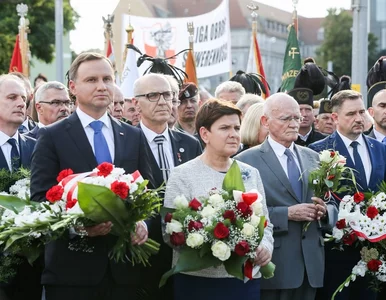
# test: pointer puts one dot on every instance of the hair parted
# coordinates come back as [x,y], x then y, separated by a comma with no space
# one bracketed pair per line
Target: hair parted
[81,58]
[340,97]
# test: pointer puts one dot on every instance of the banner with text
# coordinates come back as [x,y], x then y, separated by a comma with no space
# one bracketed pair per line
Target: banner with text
[165,37]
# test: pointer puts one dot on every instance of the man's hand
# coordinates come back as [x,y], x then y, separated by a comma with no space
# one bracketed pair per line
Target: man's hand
[303,212]
[263,256]
[140,235]
[321,207]
[100,229]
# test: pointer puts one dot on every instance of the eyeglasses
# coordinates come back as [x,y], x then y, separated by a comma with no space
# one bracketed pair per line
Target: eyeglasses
[58,103]
[289,119]
[154,97]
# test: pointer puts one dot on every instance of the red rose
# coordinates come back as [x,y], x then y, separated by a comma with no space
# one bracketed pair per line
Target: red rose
[373,265]
[120,189]
[330,177]
[104,169]
[195,204]
[372,212]
[63,174]
[249,198]
[332,154]
[196,225]
[168,217]
[242,248]
[177,238]
[55,193]
[349,239]
[244,209]
[359,197]
[265,223]
[221,231]
[341,224]
[71,203]
[229,214]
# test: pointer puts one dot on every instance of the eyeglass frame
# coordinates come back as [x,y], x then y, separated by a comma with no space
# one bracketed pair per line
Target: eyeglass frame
[159,96]
[288,120]
[59,103]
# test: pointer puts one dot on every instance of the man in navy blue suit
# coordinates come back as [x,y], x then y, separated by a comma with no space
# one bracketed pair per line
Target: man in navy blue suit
[368,157]
[81,142]
[16,151]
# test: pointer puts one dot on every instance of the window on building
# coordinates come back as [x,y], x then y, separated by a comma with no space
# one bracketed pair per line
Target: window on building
[383,39]
[380,8]
[320,34]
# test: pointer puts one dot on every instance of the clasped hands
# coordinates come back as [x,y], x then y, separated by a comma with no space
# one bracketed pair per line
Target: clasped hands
[308,211]
[138,238]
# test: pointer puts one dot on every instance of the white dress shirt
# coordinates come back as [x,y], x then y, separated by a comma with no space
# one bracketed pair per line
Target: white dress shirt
[107,130]
[150,135]
[305,137]
[6,147]
[279,150]
[379,136]
[362,150]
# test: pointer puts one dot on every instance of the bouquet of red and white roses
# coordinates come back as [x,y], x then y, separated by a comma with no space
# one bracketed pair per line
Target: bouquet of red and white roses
[224,228]
[361,221]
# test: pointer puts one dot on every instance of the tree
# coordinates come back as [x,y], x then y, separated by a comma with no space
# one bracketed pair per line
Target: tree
[41,16]
[337,44]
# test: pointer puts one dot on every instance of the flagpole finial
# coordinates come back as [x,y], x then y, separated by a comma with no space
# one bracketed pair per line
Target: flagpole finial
[22,10]
[253,7]
[108,26]
[295,3]
[190,28]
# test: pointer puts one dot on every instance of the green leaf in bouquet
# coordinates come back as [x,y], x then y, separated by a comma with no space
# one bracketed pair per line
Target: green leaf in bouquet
[234,266]
[100,204]
[233,179]
[205,249]
[14,203]
[261,227]
[15,237]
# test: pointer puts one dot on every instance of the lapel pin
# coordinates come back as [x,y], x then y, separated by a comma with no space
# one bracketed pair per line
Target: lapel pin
[121,133]
[179,156]
[182,150]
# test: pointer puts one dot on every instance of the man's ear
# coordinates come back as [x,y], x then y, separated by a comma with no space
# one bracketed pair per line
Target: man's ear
[71,85]
[334,117]
[371,111]
[264,121]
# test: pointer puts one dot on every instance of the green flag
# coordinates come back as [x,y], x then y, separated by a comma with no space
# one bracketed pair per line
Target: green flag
[292,62]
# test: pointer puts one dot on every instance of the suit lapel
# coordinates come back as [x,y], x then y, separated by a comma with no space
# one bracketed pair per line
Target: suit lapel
[370,146]
[341,147]
[273,163]
[3,161]
[119,141]
[25,152]
[76,132]
[178,156]
[303,162]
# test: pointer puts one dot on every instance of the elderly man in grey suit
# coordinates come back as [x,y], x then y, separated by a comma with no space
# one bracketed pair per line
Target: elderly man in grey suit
[284,166]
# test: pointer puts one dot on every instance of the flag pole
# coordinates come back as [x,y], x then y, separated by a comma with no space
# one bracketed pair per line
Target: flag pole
[108,33]
[129,30]
[190,63]
[22,10]
[295,16]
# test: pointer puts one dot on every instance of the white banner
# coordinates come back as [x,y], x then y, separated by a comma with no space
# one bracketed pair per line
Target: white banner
[165,37]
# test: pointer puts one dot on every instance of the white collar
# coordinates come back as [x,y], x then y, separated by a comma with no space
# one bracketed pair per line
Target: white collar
[150,134]
[4,138]
[85,119]
[278,148]
[348,142]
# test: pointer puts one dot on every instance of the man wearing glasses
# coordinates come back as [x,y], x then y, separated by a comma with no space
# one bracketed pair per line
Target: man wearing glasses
[187,110]
[154,99]
[52,103]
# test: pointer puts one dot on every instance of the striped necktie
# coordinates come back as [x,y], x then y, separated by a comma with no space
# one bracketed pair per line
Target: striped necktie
[163,162]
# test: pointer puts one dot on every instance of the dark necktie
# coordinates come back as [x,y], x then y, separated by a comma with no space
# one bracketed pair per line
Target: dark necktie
[293,174]
[15,156]
[360,174]
[101,149]
[163,160]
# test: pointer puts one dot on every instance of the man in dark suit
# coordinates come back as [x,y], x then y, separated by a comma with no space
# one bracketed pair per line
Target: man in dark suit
[368,158]
[285,167]
[376,98]
[170,148]
[52,104]
[16,151]
[82,141]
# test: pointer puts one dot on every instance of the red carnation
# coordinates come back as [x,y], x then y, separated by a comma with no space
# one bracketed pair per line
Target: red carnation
[341,224]
[373,265]
[242,248]
[249,198]
[71,203]
[55,193]
[230,214]
[63,174]
[221,231]
[195,204]
[196,225]
[244,209]
[104,169]
[359,197]
[332,154]
[372,212]
[330,177]
[177,238]
[120,189]
[168,217]
[349,239]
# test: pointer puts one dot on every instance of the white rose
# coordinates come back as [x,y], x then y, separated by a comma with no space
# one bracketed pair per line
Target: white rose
[248,229]
[257,208]
[325,156]
[237,195]
[181,202]
[194,240]
[255,220]
[216,200]
[173,226]
[208,211]
[337,233]
[221,250]
[341,161]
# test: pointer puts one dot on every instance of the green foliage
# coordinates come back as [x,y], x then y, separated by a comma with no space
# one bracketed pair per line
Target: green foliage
[233,180]
[337,44]
[41,16]
[7,179]
[8,267]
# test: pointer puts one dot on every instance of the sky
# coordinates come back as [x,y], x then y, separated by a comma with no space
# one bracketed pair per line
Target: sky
[89,29]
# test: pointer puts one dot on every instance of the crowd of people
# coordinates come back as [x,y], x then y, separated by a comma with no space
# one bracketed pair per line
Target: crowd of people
[175,137]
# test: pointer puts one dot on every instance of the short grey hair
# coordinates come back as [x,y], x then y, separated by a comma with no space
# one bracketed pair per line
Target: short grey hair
[249,99]
[6,77]
[39,95]
[229,87]
[173,84]
[272,100]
